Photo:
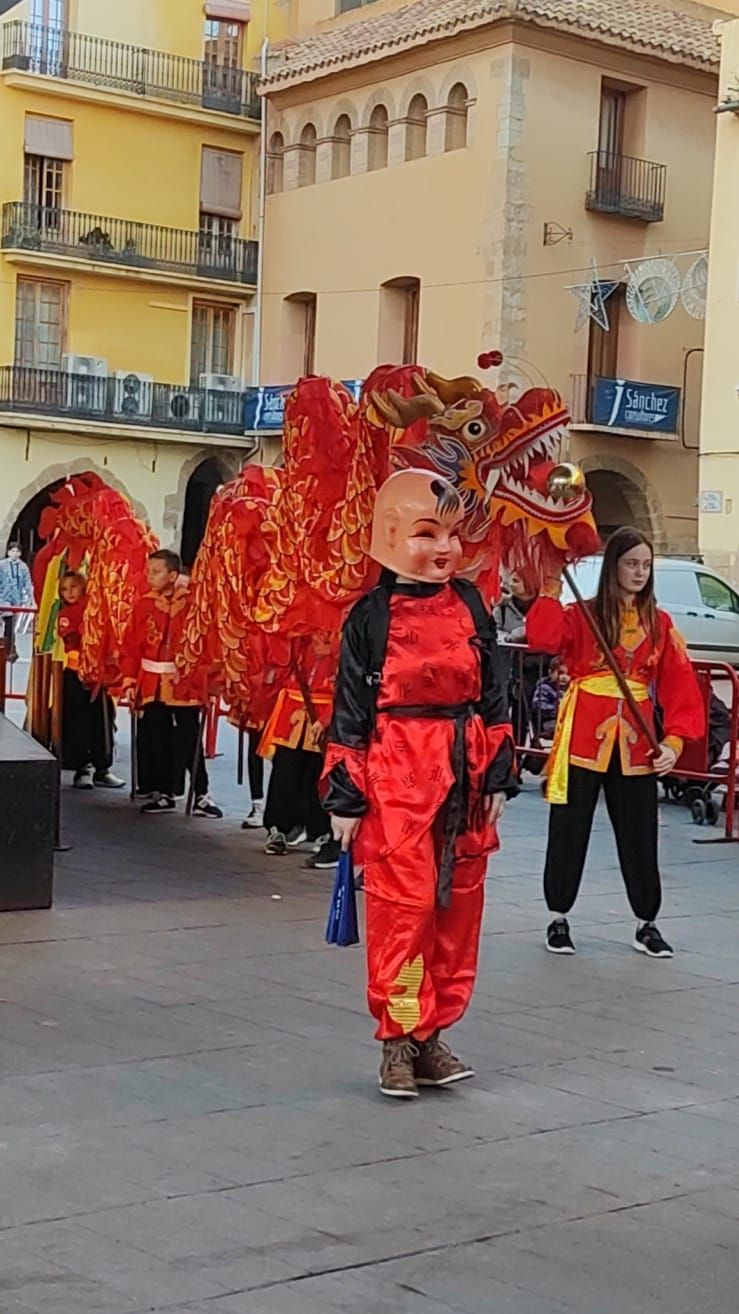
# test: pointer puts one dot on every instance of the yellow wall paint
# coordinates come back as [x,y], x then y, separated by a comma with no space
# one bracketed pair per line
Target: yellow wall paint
[128,164]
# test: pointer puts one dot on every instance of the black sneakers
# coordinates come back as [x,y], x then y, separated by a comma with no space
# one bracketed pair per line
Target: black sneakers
[159,803]
[325,855]
[648,940]
[205,807]
[558,939]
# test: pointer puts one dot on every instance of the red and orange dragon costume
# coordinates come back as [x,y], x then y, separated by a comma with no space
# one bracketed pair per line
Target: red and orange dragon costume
[286,550]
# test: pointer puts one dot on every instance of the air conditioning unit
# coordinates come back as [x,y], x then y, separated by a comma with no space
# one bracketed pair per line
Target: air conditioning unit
[133,395]
[184,406]
[220,383]
[92,365]
[223,404]
[86,384]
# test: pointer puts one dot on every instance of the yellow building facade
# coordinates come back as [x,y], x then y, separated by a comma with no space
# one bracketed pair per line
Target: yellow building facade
[719,481]
[440,178]
[129,196]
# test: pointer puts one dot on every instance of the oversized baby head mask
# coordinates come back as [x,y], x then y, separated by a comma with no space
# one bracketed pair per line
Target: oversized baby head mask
[415,528]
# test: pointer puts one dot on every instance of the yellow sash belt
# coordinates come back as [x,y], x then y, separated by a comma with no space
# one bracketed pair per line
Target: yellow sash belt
[603,685]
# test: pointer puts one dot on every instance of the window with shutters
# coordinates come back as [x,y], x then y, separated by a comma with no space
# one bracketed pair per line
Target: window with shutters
[40,323]
[400,304]
[217,235]
[213,336]
[46,36]
[299,334]
[43,191]
[223,57]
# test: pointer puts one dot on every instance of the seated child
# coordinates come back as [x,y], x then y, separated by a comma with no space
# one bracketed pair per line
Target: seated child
[547,697]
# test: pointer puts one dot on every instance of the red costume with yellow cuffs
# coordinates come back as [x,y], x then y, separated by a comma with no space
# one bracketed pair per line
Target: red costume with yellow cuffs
[418,744]
[594,721]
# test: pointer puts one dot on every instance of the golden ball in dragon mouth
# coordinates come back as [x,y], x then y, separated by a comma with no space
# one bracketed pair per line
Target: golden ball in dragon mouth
[566,482]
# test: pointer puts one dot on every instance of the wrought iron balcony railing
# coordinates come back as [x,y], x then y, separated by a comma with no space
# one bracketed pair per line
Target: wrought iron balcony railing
[120,398]
[622,185]
[122,242]
[102,63]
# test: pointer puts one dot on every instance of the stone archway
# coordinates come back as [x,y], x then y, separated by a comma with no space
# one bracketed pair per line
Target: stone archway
[622,496]
[23,517]
[203,482]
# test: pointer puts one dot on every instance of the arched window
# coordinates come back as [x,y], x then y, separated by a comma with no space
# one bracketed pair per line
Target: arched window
[341,149]
[276,163]
[457,110]
[415,132]
[378,138]
[307,158]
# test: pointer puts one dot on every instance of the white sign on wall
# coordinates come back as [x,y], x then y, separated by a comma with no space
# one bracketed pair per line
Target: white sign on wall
[711,503]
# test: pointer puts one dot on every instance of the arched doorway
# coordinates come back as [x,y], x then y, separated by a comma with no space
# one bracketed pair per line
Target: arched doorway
[25,527]
[204,481]
[618,501]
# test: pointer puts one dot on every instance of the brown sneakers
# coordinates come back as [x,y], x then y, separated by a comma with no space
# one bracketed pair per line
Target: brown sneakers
[396,1069]
[436,1065]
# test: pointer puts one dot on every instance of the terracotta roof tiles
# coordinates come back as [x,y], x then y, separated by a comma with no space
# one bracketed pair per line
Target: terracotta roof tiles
[645,26]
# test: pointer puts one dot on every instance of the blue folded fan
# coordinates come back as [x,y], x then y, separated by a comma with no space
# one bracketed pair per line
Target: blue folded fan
[341,928]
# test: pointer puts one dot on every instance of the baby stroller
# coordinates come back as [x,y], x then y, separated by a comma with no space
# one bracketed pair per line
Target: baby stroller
[703,757]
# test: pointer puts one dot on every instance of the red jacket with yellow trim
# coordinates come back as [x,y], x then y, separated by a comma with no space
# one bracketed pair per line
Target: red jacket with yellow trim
[600,721]
[149,649]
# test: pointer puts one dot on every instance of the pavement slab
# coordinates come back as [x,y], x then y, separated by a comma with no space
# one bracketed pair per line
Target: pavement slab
[189,1118]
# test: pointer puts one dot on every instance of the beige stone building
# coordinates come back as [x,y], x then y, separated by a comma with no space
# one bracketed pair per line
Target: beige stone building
[719,476]
[440,173]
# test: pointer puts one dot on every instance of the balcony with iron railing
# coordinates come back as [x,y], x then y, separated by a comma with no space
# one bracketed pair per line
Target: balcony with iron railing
[124,243]
[120,399]
[98,62]
[625,186]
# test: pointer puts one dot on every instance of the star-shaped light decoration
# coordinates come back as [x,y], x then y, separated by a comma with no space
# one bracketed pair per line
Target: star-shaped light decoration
[592,299]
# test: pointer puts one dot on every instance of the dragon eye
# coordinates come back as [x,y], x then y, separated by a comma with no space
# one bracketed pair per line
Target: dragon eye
[475,429]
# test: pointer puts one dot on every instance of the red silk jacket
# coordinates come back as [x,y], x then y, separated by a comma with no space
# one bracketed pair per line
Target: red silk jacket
[660,672]
[150,647]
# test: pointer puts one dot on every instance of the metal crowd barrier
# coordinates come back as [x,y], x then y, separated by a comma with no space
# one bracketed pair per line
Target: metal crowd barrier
[692,781]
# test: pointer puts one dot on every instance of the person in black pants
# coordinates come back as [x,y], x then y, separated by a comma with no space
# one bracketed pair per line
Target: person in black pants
[602,742]
[255,767]
[87,722]
[293,805]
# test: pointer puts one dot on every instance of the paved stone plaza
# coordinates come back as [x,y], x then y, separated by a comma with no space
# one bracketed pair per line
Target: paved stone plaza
[189,1119]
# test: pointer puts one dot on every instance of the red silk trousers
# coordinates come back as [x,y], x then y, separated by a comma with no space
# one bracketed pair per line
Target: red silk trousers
[421,959]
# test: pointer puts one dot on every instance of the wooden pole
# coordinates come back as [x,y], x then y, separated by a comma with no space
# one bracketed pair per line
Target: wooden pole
[134,749]
[57,708]
[3,673]
[196,761]
[599,637]
[240,757]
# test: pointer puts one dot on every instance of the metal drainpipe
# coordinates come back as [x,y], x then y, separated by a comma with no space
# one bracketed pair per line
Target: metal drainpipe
[257,354]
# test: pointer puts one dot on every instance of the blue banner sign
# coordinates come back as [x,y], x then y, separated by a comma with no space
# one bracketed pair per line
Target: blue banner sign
[624,404]
[264,408]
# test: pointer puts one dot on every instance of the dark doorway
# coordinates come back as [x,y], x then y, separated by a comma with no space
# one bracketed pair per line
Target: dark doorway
[617,501]
[202,484]
[25,529]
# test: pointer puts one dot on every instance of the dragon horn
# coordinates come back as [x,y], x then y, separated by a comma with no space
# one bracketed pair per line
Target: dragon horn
[452,390]
[402,412]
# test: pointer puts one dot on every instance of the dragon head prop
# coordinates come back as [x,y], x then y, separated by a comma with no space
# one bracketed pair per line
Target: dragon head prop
[499,451]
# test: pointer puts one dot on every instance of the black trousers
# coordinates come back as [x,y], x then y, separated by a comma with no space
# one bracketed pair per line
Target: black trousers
[85,736]
[167,738]
[632,808]
[255,765]
[292,797]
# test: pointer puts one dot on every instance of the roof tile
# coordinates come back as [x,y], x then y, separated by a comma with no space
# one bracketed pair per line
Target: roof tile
[646,26]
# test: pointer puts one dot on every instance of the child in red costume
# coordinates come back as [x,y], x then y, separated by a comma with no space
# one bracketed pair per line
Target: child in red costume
[598,741]
[418,765]
[87,723]
[170,722]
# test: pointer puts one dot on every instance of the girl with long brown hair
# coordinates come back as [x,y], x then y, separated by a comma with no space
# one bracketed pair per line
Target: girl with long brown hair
[598,741]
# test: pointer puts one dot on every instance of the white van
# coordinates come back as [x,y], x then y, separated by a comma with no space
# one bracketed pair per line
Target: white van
[704,607]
